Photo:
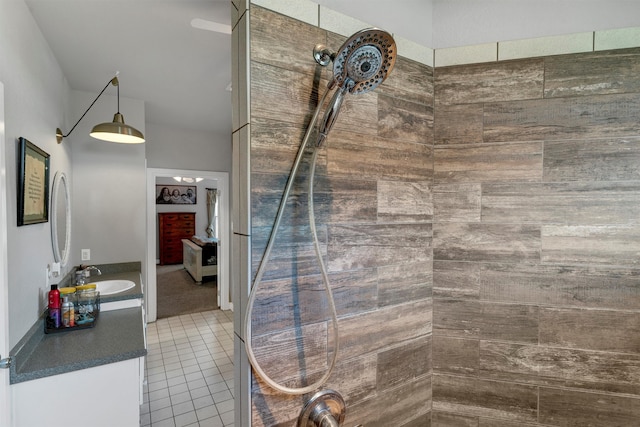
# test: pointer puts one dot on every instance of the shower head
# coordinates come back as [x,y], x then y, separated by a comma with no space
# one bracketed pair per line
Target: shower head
[363,62]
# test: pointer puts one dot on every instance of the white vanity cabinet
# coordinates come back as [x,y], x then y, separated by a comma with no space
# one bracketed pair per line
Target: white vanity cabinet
[102,396]
[120,304]
[87,377]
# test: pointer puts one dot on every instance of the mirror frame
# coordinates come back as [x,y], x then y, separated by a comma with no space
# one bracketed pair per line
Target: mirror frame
[60,183]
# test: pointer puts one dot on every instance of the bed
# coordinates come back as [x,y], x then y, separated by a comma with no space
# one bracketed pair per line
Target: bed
[200,257]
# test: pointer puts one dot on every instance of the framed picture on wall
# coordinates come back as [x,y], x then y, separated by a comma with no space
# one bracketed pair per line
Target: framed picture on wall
[33,183]
[176,194]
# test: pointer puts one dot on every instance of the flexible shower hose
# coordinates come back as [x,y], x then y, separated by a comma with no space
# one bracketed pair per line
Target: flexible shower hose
[325,279]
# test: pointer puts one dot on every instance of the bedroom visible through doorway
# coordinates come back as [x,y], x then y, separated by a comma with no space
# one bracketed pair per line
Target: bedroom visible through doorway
[178,294]
[184,226]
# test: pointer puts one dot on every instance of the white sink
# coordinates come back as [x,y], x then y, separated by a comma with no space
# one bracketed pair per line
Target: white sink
[110,287]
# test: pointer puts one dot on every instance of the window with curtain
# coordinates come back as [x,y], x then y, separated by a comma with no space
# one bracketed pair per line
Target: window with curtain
[212,212]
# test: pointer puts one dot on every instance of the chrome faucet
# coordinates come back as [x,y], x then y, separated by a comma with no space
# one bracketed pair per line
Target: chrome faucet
[84,271]
[89,268]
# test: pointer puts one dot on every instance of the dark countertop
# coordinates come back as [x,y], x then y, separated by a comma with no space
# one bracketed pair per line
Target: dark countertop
[117,335]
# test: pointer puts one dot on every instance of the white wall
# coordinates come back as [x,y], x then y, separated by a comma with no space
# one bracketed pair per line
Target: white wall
[107,180]
[36,95]
[108,185]
[176,148]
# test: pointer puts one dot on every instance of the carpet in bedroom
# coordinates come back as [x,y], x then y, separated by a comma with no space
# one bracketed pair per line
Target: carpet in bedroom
[178,293]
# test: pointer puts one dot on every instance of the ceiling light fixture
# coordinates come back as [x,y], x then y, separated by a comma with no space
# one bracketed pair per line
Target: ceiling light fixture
[115,131]
[187,179]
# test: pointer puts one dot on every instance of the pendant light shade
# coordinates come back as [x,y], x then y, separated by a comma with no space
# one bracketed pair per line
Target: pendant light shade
[115,131]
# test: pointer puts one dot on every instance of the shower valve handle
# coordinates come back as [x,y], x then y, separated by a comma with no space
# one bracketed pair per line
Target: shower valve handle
[326,408]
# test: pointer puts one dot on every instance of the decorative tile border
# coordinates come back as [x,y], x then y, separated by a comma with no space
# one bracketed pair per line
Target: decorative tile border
[336,22]
[339,23]
[325,18]
[545,46]
[302,10]
[414,51]
[616,39]
[487,52]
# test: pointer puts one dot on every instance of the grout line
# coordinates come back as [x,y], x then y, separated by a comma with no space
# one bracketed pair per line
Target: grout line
[209,333]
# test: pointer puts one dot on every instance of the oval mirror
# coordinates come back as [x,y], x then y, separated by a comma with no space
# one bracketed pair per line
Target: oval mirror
[60,219]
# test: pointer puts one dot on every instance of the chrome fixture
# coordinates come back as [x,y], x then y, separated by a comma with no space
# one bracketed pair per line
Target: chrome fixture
[325,409]
[83,272]
[362,63]
[89,268]
[323,55]
[115,131]
[80,278]
[5,363]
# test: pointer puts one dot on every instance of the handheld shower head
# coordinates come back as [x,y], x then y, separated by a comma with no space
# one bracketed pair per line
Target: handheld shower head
[363,62]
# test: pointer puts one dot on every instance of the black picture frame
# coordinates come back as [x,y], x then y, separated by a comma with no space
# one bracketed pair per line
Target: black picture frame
[33,183]
[186,194]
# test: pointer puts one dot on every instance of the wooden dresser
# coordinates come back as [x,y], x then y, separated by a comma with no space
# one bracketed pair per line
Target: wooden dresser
[173,227]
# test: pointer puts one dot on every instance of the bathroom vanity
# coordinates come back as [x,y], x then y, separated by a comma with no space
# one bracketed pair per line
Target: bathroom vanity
[92,376]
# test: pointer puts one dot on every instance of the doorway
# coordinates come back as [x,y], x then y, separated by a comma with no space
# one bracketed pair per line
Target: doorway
[222,184]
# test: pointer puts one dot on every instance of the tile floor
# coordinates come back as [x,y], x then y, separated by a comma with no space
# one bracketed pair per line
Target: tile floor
[189,371]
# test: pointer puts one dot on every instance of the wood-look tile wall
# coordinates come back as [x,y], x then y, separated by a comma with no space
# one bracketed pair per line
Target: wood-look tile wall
[481,228]
[536,241]
[374,209]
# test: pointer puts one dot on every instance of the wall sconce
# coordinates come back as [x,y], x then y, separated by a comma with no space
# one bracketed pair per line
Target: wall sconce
[115,131]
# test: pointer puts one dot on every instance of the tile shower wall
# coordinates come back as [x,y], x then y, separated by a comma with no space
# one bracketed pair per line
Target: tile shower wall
[536,242]
[520,215]
[374,213]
